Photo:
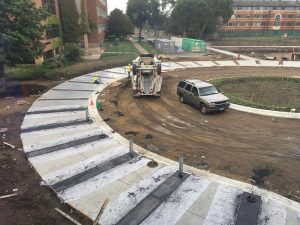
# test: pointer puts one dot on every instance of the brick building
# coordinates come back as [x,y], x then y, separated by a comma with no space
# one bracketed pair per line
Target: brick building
[52,39]
[96,11]
[263,18]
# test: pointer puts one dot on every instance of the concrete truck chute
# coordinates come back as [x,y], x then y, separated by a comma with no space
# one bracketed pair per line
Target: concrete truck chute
[147,79]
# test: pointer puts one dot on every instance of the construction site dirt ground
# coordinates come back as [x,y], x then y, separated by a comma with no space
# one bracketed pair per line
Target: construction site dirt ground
[34,203]
[234,144]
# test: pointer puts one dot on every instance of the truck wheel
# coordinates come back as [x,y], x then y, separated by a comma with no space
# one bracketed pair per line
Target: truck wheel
[159,69]
[181,99]
[203,109]
[134,69]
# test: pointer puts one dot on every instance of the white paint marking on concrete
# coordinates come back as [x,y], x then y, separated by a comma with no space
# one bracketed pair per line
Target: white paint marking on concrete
[292,218]
[47,138]
[206,63]
[101,180]
[119,70]
[223,207]
[227,63]
[101,145]
[84,165]
[52,94]
[189,64]
[169,212]
[57,107]
[271,213]
[52,103]
[197,212]
[128,199]
[53,118]
[91,203]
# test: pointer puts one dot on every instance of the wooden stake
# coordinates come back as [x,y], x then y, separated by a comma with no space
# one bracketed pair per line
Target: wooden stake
[101,211]
[8,196]
[67,216]
[9,145]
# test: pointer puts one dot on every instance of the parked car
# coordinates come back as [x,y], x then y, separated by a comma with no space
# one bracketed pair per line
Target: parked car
[202,95]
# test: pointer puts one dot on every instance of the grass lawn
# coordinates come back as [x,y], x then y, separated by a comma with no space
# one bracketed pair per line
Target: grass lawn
[34,72]
[124,48]
[25,72]
[148,48]
[272,93]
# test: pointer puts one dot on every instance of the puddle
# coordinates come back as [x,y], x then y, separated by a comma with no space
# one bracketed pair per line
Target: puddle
[260,174]
[23,90]
[133,133]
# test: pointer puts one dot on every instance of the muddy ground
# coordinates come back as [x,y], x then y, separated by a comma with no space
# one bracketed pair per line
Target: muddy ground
[34,204]
[233,144]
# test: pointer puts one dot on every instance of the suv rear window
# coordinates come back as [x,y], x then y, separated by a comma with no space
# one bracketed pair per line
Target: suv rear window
[188,87]
[181,84]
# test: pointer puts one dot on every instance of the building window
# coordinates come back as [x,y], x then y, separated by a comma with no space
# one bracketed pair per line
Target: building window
[52,31]
[50,6]
[290,16]
[277,22]
[289,24]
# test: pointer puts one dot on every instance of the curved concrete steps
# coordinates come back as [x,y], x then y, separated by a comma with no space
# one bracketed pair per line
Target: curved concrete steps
[86,162]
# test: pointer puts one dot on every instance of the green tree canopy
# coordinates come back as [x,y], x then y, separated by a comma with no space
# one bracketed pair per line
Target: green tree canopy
[138,12]
[72,31]
[21,31]
[156,15]
[195,18]
[119,24]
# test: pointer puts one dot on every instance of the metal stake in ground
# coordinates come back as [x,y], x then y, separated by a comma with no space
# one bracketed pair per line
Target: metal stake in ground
[131,147]
[87,116]
[3,137]
[180,174]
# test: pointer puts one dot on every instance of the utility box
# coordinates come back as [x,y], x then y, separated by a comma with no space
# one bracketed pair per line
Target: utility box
[165,46]
[193,45]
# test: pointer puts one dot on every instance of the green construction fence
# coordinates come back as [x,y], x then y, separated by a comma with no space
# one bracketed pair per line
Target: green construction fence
[193,45]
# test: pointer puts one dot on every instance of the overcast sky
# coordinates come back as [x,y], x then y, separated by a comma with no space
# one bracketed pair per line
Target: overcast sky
[120,4]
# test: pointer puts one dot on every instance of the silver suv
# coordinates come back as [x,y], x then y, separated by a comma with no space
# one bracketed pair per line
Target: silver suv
[202,95]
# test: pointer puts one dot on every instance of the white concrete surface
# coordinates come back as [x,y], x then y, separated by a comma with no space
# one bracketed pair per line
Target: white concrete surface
[204,198]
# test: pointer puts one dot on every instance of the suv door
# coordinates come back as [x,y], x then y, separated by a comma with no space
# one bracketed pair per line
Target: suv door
[194,98]
[187,93]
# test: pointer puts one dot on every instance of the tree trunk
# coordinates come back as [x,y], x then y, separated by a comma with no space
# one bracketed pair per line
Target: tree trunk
[140,33]
[2,77]
[202,30]
[1,69]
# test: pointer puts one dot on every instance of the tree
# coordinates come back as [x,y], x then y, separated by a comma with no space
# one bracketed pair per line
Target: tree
[156,16]
[195,18]
[138,12]
[119,24]
[72,31]
[21,31]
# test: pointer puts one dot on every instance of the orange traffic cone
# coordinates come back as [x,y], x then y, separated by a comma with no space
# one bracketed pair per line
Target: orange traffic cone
[91,102]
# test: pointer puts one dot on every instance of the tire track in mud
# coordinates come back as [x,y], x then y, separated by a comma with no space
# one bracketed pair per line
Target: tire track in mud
[236,143]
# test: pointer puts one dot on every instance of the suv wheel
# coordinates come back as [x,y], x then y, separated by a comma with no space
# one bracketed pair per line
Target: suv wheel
[181,99]
[203,109]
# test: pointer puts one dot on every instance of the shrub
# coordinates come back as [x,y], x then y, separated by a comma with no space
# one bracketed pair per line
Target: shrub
[54,62]
[72,53]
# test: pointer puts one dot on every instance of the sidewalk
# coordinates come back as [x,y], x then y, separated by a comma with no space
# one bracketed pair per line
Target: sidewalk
[138,47]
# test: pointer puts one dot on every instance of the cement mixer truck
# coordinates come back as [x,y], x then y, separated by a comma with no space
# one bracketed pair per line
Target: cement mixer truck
[147,79]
